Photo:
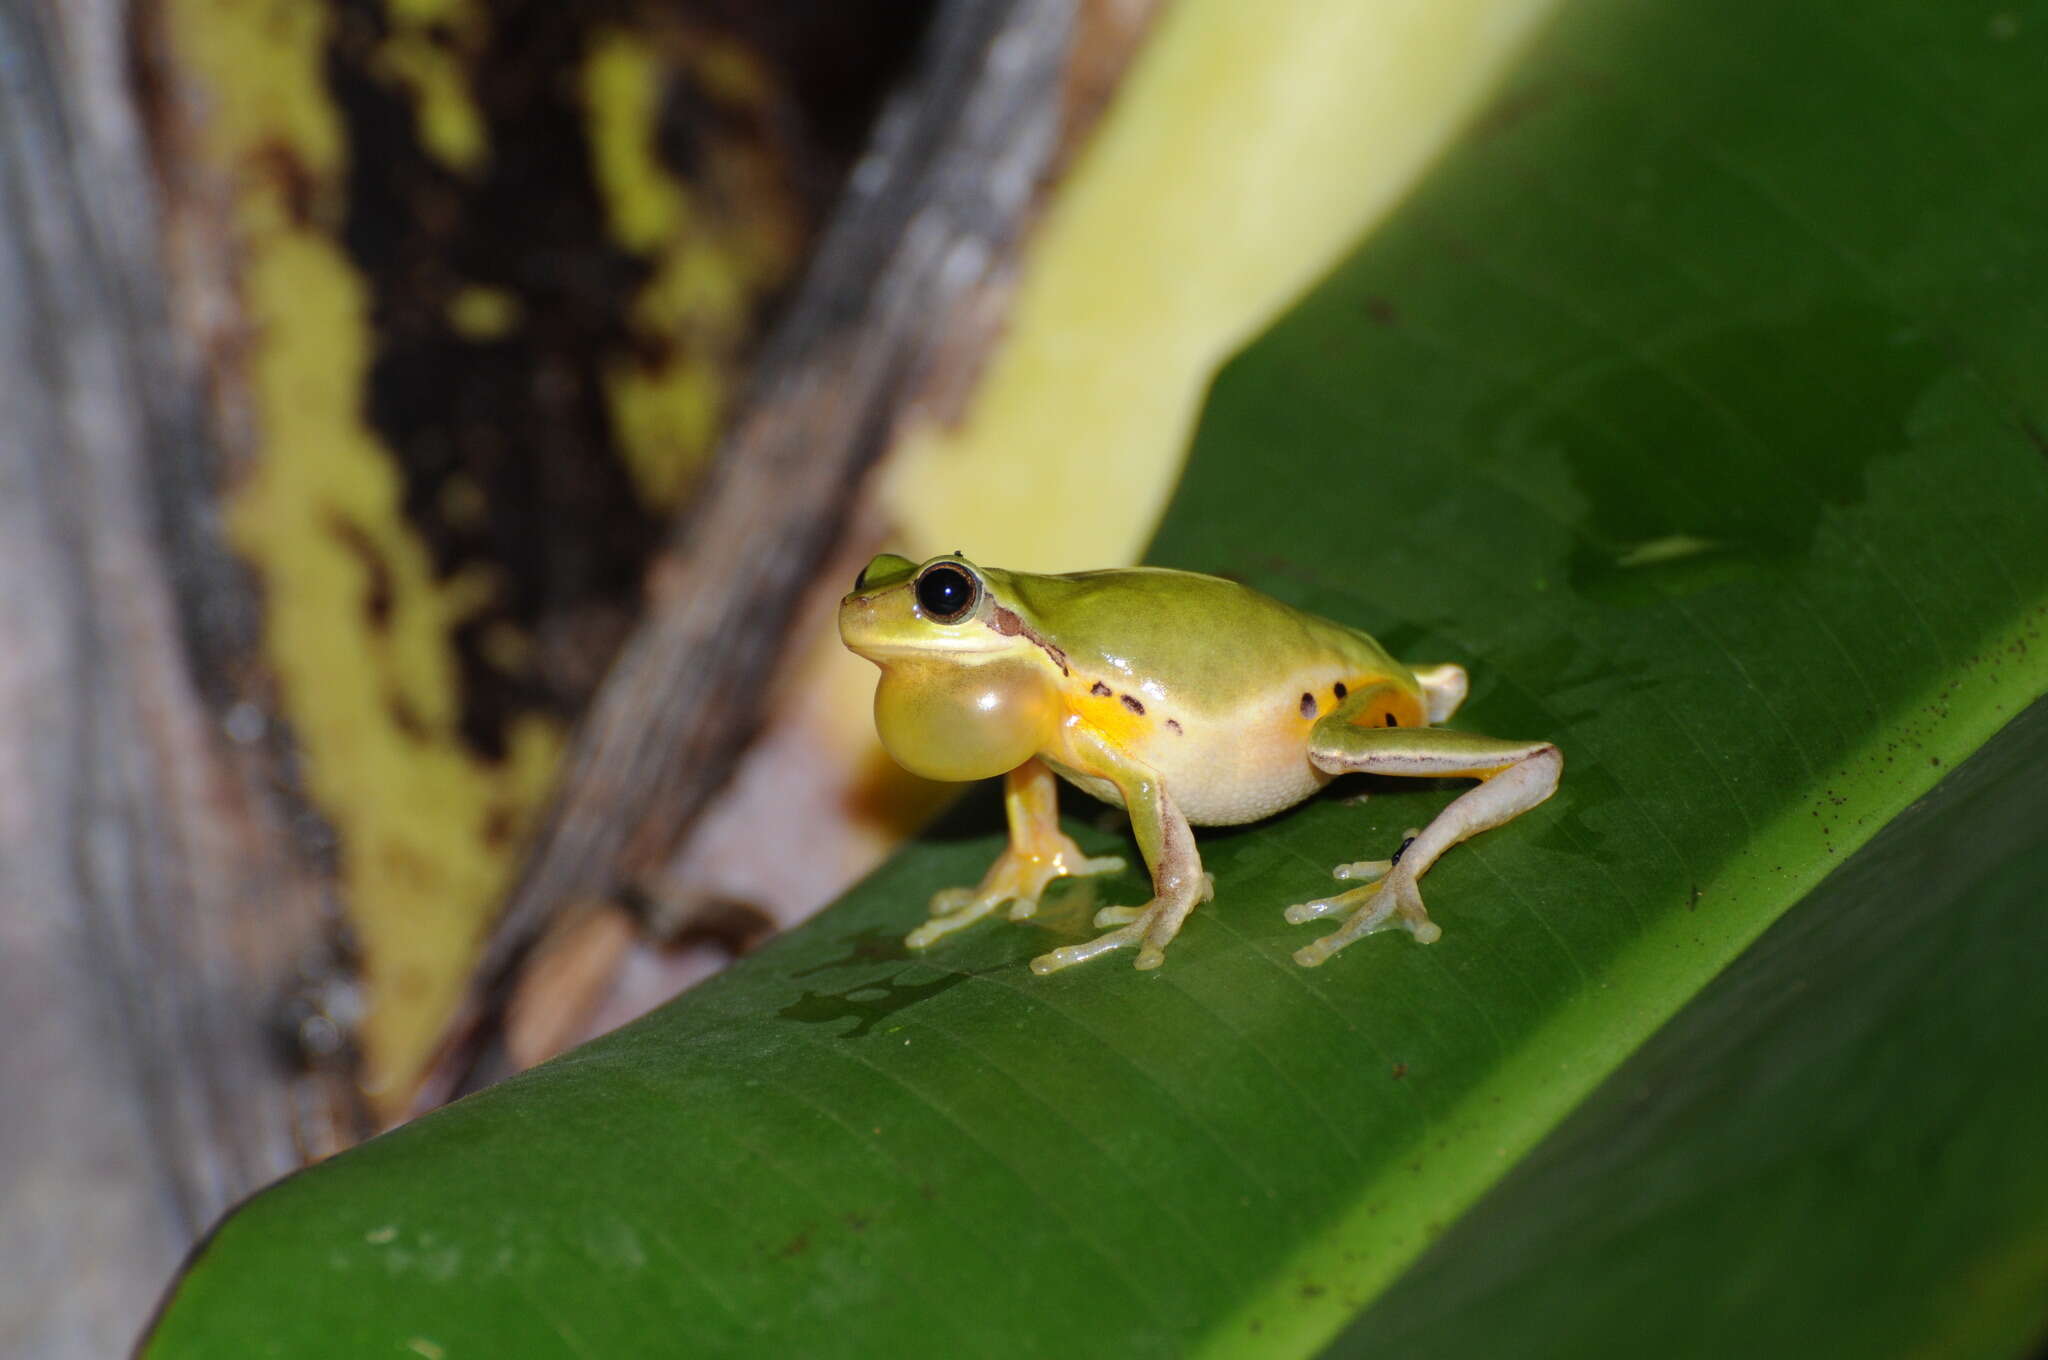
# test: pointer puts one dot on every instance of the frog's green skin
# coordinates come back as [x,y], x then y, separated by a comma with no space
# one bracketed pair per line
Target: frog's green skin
[1182,698]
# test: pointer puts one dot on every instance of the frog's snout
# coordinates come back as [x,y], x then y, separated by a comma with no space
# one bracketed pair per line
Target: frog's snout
[858,623]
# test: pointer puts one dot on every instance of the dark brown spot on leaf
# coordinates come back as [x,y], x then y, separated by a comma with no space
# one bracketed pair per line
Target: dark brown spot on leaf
[1174,725]
[501,825]
[406,718]
[2034,435]
[1132,704]
[1099,690]
[379,588]
[292,177]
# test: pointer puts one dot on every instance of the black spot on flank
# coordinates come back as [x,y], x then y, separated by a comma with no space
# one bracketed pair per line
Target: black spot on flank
[1341,691]
[1132,704]
[1099,690]
[1391,722]
[1174,725]
[1308,705]
[1405,843]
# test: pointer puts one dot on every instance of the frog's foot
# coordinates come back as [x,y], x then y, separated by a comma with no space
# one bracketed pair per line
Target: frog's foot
[1360,871]
[1393,901]
[1068,860]
[1017,878]
[1123,916]
[1150,927]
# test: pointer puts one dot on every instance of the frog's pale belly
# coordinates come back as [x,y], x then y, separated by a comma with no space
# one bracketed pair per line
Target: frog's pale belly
[1220,798]
[1218,772]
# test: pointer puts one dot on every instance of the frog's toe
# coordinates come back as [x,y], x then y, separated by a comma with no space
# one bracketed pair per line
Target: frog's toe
[1069,955]
[947,901]
[928,934]
[1117,916]
[1350,900]
[1392,903]
[1083,865]
[1313,955]
[1303,912]
[1364,870]
[953,909]
[936,929]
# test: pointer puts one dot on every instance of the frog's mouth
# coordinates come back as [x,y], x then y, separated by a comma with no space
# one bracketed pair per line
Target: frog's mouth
[878,635]
[882,653]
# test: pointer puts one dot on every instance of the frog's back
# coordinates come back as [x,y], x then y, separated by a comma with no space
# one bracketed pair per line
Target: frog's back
[1210,682]
[1202,642]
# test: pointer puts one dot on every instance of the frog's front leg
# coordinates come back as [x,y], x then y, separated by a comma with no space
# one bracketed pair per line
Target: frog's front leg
[1515,776]
[1167,843]
[1038,853]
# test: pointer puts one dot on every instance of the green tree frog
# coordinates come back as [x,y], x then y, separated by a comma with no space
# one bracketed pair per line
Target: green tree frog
[1184,699]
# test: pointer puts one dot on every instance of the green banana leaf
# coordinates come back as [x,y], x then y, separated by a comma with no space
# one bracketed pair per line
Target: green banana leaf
[1834,1150]
[1696,403]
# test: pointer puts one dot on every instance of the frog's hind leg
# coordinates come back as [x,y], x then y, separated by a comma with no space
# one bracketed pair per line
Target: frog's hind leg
[1515,776]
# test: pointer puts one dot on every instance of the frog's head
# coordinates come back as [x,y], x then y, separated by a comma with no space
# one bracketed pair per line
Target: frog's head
[969,688]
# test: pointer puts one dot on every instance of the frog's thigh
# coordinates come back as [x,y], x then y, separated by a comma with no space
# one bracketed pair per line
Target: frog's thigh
[1517,775]
[1443,688]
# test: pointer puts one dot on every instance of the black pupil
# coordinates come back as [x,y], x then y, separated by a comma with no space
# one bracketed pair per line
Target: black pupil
[945,592]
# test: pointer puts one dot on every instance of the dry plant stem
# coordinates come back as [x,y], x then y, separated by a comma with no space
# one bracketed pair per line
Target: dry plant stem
[929,219]
[150,909]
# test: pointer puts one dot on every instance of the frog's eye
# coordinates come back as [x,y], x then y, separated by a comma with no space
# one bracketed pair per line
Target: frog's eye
[947,592]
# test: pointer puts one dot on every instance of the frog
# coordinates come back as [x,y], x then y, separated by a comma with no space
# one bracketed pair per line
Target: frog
[1186,700]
